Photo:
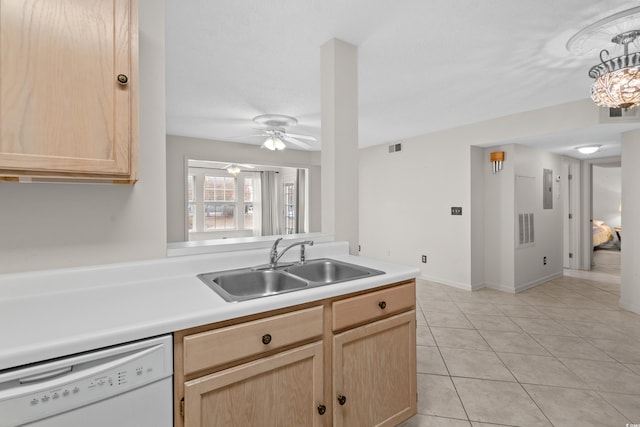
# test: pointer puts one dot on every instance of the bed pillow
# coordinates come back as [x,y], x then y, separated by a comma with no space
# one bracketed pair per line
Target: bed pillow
[597,222]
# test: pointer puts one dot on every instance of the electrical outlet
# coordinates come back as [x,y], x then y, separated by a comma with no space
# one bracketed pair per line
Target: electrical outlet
[456,210]
[424,259]
[544,260]
[359,248]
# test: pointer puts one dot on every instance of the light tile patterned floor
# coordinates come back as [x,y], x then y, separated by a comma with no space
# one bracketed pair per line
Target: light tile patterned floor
[560,354]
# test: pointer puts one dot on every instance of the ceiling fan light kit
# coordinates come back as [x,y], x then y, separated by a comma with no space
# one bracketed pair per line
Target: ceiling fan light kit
[233,170]
[274,143]
[276,133]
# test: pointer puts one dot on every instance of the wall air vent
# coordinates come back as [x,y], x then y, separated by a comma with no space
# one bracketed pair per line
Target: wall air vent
[393,148]
[525,229]
[619,115]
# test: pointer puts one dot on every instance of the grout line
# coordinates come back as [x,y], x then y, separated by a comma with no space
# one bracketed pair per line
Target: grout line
[549,286]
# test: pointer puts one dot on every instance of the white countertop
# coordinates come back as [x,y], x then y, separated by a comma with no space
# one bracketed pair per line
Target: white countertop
[55,313]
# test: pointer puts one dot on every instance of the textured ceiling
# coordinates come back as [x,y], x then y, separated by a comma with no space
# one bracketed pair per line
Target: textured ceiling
[423,66]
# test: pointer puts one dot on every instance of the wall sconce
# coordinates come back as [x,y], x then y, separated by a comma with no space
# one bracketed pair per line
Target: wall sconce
[496,158]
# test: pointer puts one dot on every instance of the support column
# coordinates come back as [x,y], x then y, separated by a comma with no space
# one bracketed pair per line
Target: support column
[630,235]
[340,168]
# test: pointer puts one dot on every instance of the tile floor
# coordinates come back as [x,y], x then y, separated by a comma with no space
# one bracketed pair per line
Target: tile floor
[560,354]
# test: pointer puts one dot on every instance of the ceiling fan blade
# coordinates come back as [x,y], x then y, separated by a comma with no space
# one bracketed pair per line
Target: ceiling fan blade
[247,136]
[294,141]
[304,137]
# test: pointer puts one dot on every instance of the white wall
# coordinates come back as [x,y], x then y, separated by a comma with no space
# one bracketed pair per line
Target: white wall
[630,289]
[477,215]
[405,207]
[180,148]
[406,197]
[607,189]
[499,217]
[529,267]
[58,225]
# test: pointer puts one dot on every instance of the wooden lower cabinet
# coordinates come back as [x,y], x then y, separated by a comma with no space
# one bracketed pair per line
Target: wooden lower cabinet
[281,390]
[345,361]
[374,373]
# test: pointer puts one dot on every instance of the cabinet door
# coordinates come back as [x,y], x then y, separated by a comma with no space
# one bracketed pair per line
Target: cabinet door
[62,108]
[374,373]
[281,390]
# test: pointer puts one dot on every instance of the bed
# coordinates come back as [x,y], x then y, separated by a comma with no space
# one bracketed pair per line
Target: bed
[601,233]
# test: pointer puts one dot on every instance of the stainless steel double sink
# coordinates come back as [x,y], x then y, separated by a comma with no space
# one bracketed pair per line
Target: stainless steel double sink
[249,283]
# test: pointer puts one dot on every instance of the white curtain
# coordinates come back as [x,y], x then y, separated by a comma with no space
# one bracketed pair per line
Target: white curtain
[271,211]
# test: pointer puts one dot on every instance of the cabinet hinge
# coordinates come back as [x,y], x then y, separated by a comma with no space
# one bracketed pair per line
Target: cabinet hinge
[570,177]
[182,407]
[570,216]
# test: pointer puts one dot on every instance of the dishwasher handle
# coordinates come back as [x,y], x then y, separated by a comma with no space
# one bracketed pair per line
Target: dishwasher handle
[46,375]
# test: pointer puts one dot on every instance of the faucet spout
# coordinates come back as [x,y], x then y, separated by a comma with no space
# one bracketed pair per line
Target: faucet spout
[274,260]
[273,254]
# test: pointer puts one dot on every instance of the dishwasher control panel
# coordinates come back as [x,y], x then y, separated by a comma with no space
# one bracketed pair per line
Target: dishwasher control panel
[48,389]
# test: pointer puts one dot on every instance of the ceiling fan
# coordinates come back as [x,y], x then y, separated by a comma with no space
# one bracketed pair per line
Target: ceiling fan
[234,168]
[275,132]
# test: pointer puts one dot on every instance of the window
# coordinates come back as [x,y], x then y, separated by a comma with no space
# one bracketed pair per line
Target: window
[219,202]
[290,223]
[191,202]
[259,200]
[250,185]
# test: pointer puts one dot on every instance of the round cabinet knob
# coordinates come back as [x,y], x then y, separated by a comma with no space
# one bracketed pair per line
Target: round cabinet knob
[342,400]
[266,339]
[382,305]
[123,79]
[322,409]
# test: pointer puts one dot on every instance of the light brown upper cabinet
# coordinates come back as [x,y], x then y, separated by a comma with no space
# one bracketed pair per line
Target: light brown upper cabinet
[68,90]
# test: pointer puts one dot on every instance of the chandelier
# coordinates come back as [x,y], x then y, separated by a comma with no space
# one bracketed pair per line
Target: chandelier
[617,80]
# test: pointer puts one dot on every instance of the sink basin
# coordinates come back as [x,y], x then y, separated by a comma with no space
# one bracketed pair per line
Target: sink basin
[240,285]
[327,271]
[249,283]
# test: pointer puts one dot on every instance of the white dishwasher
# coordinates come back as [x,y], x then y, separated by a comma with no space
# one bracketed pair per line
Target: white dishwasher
[127,385]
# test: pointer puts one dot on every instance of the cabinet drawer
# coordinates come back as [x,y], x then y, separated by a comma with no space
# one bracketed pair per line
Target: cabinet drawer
[368,307]
[213,348]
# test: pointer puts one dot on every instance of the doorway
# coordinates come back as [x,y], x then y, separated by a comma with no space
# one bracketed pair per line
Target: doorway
[606,188]
[592,215]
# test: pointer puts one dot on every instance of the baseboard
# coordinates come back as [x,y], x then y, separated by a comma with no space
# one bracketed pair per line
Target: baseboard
[464,286]
[629,307]
[539,281]
[497,287]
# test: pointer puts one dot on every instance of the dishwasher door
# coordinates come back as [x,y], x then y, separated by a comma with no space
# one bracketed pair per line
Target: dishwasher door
[125,386]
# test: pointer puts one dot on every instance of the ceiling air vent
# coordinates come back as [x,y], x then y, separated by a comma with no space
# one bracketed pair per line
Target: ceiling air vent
[393,148]
[619,115]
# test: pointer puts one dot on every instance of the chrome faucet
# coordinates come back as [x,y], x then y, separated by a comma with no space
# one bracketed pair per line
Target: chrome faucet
[274,257]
